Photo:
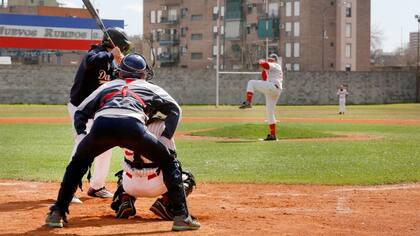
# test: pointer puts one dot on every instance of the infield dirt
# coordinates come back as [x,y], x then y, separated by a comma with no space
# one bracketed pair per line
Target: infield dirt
[227,209]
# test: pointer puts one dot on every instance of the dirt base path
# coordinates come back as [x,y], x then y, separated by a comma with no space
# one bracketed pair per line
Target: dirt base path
[227,209]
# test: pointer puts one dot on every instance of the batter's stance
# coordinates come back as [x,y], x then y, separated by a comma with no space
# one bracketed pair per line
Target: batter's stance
[271,86]
[119,109]
[142,178]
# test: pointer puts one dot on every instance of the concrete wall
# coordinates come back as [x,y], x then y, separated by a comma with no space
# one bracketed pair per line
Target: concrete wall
[51,85]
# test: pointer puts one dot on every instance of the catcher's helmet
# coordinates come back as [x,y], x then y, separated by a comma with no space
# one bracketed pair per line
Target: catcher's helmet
[132,66]
[119,38]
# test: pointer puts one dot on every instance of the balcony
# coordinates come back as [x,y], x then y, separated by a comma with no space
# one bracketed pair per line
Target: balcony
[168,39]
[171,2]
[233,10]
[273,28]
[169,20]
[168,59]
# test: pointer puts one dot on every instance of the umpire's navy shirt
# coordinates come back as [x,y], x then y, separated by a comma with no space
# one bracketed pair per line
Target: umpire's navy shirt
[97,63]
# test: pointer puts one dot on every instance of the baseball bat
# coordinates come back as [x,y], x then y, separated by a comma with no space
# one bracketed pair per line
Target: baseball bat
[95,15]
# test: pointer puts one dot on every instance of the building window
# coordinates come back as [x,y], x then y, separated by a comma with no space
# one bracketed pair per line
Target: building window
[273,9]
[348,30]
[215,12]
[196,37]
[215,50]
[184,12]
[296,29]
[184,31]
[288,49]
[288,28]
[184,50]
[196,17]
[348,50]
[348,9]
[297,8]
[152,17]
[296,50]
[288,67]
[250,6]
[348,67]
[172,15]
[288,8]
[296,67]
[159,16]
[196,55]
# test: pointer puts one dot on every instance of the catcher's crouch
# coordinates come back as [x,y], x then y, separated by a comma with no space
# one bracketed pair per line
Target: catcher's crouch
[141,177]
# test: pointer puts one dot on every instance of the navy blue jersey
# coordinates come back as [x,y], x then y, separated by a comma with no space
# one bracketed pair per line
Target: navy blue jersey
[137,99]
[97,65]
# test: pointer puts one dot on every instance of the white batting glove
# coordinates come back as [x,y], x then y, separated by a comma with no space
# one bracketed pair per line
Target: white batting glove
[169,143]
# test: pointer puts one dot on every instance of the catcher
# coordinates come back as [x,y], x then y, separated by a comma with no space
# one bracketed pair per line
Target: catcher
[141,177]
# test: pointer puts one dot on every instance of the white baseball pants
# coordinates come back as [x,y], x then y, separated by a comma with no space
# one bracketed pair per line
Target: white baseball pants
[271,93]
[342,103]
[102,162]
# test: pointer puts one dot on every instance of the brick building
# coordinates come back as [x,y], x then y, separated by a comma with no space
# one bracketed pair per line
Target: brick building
[310,35]
[413,41]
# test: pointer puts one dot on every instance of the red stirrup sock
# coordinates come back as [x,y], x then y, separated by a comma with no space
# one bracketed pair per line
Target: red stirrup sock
[272,129]
[249,96]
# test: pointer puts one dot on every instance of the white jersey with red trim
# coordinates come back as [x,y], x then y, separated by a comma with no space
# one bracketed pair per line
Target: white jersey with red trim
[275,74]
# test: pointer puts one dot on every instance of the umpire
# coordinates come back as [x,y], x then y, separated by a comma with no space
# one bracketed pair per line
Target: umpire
[120,109]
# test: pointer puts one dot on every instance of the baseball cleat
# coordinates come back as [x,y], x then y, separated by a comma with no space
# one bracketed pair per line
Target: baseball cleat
[101,193]
[55,219]
[161,210]
[182,223]
[245,105]
[270,137]
[127,207]
[76,200]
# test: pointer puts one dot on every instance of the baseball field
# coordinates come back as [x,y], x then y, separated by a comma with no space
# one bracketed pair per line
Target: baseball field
[329,174]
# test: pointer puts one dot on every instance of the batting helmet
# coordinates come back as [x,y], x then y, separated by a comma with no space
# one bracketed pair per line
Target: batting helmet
[119,38]
[132,66]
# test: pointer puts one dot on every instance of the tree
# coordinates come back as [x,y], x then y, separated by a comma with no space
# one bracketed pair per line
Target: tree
[376,38]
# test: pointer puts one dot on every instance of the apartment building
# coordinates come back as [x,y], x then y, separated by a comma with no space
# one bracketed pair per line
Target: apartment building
[309,35]
[414,41]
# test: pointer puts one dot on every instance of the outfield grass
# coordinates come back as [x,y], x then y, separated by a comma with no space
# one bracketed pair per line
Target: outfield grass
[41,151]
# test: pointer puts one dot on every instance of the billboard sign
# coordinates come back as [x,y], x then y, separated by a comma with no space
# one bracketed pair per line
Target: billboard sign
[50,32]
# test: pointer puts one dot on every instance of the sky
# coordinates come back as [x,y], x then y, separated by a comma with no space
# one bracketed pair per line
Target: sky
[394,18]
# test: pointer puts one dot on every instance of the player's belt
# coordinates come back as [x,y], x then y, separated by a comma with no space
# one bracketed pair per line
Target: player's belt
[140,165]
[149,177]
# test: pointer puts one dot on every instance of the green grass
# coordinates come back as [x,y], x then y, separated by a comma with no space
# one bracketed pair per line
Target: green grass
[41,151]
[256,131]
